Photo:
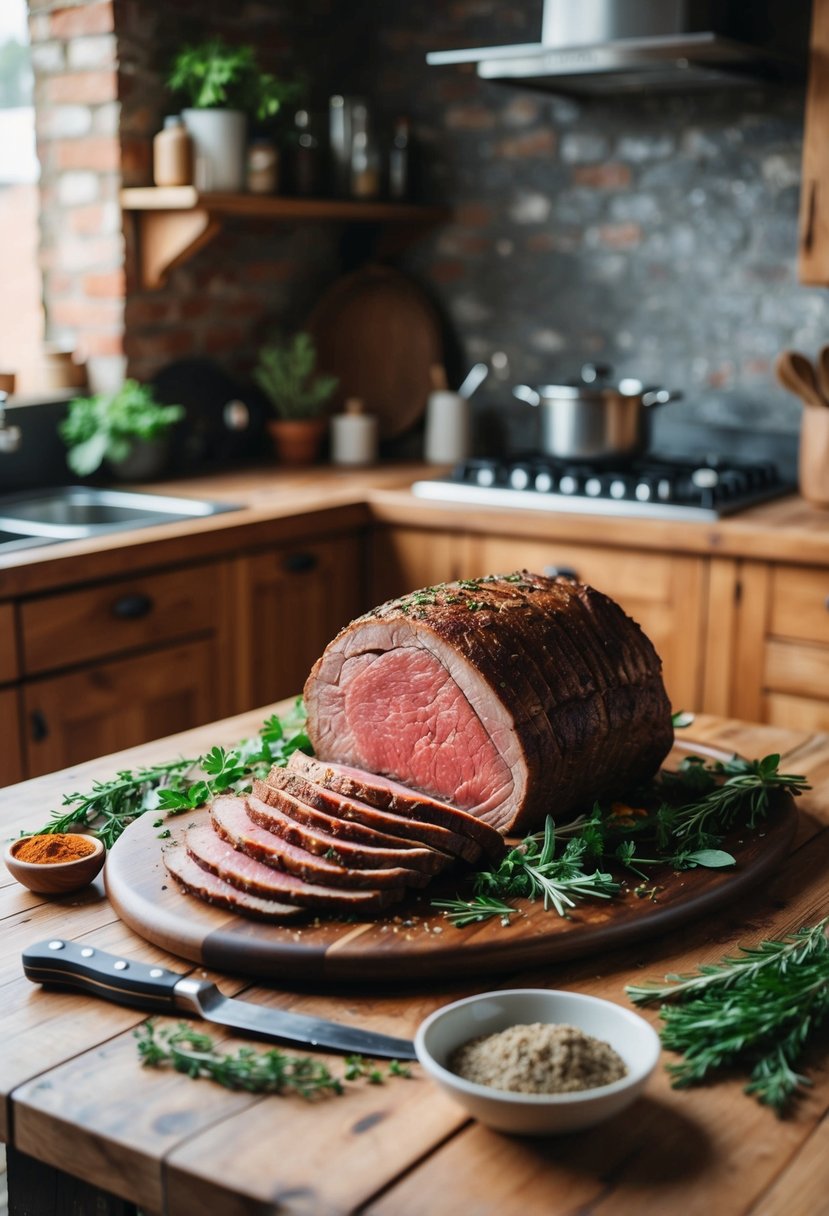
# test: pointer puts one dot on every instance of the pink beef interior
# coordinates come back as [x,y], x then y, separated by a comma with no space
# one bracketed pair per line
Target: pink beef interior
[407,719]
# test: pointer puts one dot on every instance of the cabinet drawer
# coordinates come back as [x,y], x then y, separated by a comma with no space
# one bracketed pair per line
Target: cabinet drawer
[796,713]
[8,644]
[92,712]
[799,603]
[797,668]
[62,630]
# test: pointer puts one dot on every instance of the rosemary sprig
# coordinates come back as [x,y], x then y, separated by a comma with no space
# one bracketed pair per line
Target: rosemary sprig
[678,823]
[756,1010]
[176,785]
[271,1071]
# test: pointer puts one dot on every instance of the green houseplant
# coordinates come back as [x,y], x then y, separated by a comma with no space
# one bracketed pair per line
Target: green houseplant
[128,429]
[298,393]
[224,87]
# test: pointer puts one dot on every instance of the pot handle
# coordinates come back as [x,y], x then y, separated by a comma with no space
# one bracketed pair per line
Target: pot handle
[659,396]
[524,393]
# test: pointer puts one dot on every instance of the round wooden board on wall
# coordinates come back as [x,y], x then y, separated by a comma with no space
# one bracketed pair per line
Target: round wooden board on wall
[378,332]
[412,940]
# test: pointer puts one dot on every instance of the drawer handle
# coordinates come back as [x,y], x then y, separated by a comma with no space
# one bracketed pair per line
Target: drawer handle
[132,607]
[40,727]
[299,563]
[562,572]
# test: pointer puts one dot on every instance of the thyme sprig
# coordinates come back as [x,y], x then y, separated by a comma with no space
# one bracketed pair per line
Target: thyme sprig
[271,1071]
[182,784]
[754,1011]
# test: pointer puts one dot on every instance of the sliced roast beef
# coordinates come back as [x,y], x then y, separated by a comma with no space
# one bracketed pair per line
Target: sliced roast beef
[350,853]
[214,890]
[390,796]
[215,854]
[354,818]
[511,696]
[230,818]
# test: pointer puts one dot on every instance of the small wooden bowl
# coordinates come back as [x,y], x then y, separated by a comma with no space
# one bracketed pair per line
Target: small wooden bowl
[57,878]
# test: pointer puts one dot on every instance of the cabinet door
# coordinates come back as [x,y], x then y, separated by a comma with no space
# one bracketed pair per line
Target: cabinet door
[293,602]
[662,592]
[406,559]
[11,756]
[8,644]
[102,709]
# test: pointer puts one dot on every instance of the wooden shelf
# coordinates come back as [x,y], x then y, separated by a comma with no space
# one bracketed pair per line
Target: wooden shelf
[174,222]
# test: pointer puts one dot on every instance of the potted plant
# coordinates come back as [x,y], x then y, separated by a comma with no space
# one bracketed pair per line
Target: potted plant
[128,429]
[287,374]
[224,87]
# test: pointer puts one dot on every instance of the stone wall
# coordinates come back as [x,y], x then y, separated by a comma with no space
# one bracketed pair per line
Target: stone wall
[655,233]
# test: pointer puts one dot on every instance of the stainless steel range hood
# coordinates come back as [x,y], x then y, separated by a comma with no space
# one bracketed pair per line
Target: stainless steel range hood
[611,46]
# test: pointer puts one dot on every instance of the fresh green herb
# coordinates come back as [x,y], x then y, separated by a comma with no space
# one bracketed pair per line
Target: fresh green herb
[679,823]
[755,1011]
[287,374]
[396,1069]
[681,719]
[107,426]
[261,1072]
[462,912]
[176,785]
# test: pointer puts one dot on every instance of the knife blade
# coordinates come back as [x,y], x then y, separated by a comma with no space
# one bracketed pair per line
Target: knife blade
[65,964]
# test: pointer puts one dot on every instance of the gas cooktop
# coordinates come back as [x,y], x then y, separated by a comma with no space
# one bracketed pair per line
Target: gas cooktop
[651,486]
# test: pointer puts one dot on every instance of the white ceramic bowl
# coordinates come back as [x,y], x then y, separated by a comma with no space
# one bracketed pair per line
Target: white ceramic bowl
[538,1114]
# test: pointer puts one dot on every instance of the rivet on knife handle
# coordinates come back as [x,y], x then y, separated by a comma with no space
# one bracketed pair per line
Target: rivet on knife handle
[66,964]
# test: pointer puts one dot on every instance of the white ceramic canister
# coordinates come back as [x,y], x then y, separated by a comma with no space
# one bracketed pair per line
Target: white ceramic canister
[218,148]
[447,427]
[353,435]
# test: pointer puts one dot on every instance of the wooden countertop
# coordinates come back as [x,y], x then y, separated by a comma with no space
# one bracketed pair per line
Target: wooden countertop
[76,1099]
[280,506]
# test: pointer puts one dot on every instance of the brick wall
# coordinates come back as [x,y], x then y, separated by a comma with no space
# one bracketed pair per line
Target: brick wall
[657,233]
[74,55]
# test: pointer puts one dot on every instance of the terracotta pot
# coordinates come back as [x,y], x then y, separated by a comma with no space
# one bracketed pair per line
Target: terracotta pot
[297,441]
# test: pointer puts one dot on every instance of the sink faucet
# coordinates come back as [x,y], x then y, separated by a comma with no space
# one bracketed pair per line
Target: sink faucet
[10,436]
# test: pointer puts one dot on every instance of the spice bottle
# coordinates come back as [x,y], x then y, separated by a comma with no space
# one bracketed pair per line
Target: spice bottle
[400,183]
[365,156]
[262,167]
[354,435]
[173,154]
[306,157]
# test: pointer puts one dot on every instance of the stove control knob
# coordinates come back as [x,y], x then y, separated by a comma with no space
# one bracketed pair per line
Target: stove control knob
[705,479]
[569,483]
[644,490]
[519,477]
[593,487]
[485,475]
[544,481]
[619,487]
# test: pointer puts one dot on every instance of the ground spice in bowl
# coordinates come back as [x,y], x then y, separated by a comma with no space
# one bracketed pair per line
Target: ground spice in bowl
[53,848]
[538,1058]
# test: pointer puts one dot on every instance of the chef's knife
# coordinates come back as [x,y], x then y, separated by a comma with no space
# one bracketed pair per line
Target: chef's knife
[65,964]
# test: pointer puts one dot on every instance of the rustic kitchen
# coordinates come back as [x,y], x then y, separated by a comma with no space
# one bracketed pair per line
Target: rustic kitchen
[414,573]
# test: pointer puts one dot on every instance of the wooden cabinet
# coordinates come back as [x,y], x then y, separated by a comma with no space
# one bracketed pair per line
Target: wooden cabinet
[109,706]
[11,752]
[291,602]
[813,243]
[403,559]
[778,667]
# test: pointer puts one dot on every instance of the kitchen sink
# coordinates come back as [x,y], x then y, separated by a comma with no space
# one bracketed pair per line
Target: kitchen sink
[75,512]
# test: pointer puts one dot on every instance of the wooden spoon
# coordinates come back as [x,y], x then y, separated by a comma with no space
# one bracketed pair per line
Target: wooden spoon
[797,374]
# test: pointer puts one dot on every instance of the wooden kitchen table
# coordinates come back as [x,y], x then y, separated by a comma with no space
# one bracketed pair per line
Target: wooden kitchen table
[81,1116]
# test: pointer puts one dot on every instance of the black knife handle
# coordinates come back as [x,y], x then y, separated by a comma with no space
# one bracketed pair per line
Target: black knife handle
[65,964]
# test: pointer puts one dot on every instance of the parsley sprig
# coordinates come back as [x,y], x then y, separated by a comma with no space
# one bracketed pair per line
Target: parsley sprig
[755,1011]
[271,1071]
[181,785]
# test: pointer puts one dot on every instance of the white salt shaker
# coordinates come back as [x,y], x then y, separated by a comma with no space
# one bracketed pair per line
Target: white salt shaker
[354,435]
[447,427]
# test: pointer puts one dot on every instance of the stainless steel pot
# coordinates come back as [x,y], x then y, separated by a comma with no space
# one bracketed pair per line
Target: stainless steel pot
[594,420]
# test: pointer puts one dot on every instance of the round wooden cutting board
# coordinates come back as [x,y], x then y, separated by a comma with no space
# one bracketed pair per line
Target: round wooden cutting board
[413,940]
[378,333]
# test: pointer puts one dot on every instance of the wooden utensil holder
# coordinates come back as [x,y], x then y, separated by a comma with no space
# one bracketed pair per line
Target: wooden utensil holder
[813,469]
